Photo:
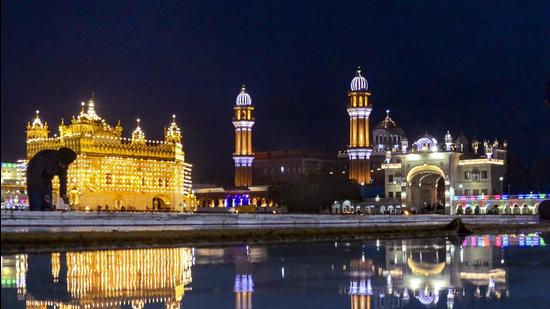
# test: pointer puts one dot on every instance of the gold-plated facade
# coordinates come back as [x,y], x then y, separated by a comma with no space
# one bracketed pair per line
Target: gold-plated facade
[117,173]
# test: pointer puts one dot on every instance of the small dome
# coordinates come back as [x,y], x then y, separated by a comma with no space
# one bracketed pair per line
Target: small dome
[243,98]
[359,83]
[426,143]
[461,139]
[387,123]
[173,133]
[174,129]
[462,143]
[138,135]
[37,121]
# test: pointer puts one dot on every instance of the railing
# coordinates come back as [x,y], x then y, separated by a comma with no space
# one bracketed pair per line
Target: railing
[501,197]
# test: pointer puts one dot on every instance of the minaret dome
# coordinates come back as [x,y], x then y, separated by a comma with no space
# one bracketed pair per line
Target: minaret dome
[243,98]
[359,83]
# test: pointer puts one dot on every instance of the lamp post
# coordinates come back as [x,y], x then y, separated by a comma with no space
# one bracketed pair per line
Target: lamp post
[501,179]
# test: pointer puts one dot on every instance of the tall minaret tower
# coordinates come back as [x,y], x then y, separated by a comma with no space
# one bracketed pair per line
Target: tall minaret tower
[243,120]
[359,148]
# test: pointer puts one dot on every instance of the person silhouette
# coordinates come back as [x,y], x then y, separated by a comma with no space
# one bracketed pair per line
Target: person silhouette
[41,169]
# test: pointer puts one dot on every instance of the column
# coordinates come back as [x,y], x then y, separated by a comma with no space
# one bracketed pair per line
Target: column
[237,140]
[361,130]
[250,141]
[367,134]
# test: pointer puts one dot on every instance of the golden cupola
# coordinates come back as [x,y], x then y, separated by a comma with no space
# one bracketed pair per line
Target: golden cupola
[173,133]
[138,136]
[37,129]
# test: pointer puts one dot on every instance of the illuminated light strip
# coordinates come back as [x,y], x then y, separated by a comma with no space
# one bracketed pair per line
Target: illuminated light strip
[359,153]
[359,111]
[243,161]
[481,161]
[243,124]
[391,165]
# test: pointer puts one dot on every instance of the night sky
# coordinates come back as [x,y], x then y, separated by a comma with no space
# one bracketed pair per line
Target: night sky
[479,67]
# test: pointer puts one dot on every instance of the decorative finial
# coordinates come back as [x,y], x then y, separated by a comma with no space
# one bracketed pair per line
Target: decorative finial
[243,88]
[358,70]
[93,94]
[174,117]
[138,120]
[387,113]
[37,112]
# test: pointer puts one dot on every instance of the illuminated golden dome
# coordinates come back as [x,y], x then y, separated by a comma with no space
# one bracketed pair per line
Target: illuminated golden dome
[37,121]
[138,136]
[173,133]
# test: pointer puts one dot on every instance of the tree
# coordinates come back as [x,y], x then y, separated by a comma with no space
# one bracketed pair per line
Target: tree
[312,193]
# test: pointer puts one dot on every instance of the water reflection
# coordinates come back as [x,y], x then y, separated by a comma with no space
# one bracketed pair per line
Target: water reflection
[102,279]
[381,274]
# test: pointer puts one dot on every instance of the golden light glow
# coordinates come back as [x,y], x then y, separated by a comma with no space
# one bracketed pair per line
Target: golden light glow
[422,169]
[115,172]
[113,278]
[481,161]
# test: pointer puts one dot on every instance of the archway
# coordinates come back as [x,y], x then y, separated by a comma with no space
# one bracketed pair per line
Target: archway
[162,202]
[426,184]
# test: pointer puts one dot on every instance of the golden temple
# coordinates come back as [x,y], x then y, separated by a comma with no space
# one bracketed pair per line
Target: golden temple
[117,173]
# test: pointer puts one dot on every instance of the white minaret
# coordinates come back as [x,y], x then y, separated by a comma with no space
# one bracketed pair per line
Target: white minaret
[404,144]
[488,149]
[448,141]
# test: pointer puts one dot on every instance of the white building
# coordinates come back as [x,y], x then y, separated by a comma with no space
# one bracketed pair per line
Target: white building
[430,174]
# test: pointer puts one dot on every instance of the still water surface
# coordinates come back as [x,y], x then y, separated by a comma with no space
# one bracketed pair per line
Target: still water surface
[490,271]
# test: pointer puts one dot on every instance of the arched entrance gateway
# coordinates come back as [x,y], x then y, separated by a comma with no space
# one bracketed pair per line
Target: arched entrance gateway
[161,202]
[425,189]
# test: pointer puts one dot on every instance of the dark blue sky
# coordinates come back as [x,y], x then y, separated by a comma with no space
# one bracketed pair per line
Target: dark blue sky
[479,67]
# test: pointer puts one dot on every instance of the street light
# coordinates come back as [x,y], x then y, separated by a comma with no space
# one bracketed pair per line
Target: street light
[501,179]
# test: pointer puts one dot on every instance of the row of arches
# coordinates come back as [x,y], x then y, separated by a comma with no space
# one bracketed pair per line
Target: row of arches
[495,209]
[368,209]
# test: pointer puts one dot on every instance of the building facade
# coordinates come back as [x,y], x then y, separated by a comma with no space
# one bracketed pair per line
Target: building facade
[388,138]
[117,173]
[431,174]
[14,185]
[271,167]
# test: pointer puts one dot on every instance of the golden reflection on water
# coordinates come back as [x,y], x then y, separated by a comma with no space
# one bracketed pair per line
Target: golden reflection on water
[112,278]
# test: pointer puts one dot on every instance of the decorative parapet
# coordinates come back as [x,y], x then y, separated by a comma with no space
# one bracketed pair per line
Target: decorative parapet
[481,161]
[391,166]
[107,145]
